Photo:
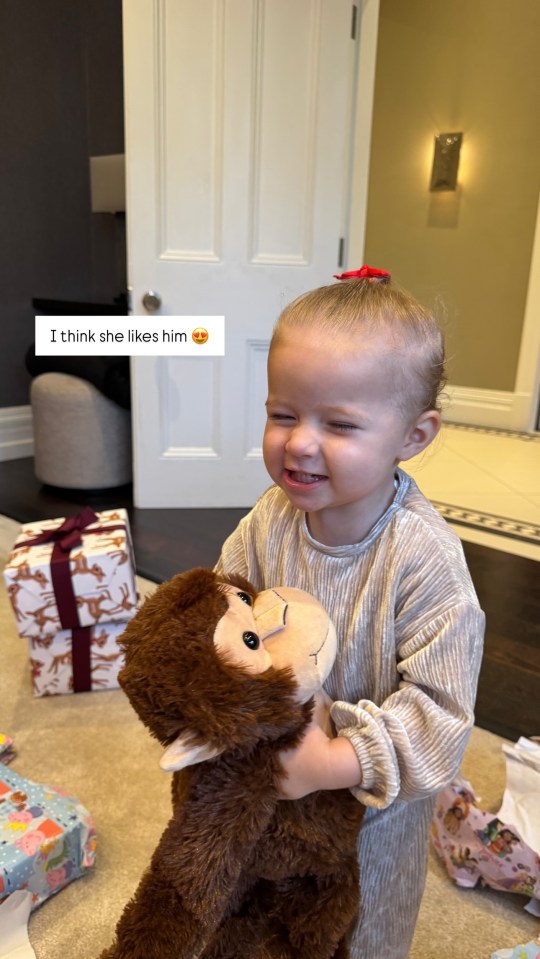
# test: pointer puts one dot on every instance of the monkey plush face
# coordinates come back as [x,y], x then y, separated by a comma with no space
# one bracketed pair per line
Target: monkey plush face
[298,635]
[236,639]
[211,665]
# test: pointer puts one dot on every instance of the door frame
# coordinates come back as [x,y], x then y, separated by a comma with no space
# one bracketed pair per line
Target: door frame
[516,410]
[363,125]
[528,371]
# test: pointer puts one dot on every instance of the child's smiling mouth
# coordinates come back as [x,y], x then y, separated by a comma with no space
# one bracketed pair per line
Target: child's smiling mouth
[301,478]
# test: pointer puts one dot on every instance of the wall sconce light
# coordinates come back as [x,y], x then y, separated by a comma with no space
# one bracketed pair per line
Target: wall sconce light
[445,162]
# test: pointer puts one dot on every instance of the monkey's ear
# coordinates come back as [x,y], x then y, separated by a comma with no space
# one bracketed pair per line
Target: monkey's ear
[183,753]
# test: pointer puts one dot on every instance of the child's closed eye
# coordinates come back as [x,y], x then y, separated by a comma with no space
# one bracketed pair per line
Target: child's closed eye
[280,417]
[343,427]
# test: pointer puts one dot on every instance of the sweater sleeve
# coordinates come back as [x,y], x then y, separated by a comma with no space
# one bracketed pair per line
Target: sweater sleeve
[411,745]
[236,556]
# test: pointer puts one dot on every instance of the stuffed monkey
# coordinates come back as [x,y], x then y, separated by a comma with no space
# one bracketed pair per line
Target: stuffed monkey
[225,679]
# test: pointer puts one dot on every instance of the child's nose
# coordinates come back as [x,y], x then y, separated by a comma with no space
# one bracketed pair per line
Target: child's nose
[302,440]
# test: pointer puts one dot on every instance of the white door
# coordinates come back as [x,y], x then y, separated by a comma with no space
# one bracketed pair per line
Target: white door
[239,119]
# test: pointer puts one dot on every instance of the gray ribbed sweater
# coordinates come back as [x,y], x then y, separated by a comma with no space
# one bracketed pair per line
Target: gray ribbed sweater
[410,634]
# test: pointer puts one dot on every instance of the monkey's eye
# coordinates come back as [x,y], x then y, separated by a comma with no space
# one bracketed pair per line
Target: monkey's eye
[251,640]
[246,598]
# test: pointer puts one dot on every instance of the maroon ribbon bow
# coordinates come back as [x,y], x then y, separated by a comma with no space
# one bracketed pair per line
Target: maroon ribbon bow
[365,273]
[68,534]
[65,538]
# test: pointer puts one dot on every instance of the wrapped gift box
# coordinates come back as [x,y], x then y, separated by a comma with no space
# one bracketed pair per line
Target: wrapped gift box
[66,574]
[529,950]
[47,839]
[7,751]
[76,660]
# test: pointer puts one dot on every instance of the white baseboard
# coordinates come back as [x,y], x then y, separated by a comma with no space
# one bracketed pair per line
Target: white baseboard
[498,409]
[16,432]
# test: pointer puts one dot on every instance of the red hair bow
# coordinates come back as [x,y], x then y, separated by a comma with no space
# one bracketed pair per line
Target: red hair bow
[365,273]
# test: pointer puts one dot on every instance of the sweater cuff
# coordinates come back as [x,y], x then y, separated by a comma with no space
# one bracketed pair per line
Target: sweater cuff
[363,725]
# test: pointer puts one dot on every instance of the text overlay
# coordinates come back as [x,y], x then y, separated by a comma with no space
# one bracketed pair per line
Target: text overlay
[130,336]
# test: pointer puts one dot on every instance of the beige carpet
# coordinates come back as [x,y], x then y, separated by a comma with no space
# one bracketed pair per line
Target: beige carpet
[92,746]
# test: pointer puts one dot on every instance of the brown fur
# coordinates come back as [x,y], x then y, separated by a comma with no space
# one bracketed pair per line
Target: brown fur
[237,872]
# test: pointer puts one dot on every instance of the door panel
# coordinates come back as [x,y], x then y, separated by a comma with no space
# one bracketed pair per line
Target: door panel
[238,131]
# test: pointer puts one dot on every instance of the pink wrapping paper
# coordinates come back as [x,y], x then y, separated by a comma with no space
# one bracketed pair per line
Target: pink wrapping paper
[476,846]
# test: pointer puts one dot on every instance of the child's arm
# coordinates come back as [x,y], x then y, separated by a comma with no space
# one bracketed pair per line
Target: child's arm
[411,745]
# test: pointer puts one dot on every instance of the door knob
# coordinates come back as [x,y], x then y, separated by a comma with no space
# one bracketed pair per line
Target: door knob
[151,301]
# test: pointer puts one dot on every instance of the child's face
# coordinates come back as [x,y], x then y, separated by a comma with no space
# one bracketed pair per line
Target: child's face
[334,431]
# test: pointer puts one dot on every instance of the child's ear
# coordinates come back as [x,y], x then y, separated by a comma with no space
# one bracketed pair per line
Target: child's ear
[421,434]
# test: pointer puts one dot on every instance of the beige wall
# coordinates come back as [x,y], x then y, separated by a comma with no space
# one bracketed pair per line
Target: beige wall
[474,66]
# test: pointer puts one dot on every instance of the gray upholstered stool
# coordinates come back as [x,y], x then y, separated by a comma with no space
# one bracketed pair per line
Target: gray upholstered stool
[82,440]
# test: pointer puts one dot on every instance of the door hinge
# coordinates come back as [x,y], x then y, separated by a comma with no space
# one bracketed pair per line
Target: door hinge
[341,250]
[353,21]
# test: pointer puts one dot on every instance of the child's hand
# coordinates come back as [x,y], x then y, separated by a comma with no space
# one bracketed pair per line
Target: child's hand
[318,763]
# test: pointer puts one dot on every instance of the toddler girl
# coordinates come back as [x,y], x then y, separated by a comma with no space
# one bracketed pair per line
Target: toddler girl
[354,374]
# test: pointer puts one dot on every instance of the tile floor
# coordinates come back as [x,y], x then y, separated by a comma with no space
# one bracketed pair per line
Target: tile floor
[487,485]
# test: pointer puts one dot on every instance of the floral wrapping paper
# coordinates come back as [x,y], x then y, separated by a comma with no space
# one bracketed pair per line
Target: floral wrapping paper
[476,846]
[51,660]
[47,838]
[101,568]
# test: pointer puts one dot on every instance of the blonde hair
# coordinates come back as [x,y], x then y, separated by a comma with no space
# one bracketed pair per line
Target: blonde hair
[374,307]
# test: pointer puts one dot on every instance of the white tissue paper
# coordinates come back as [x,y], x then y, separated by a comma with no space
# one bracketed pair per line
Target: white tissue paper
[14,912]
[521,799]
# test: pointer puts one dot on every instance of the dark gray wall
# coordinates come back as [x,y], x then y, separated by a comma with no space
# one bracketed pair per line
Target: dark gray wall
[61,101]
